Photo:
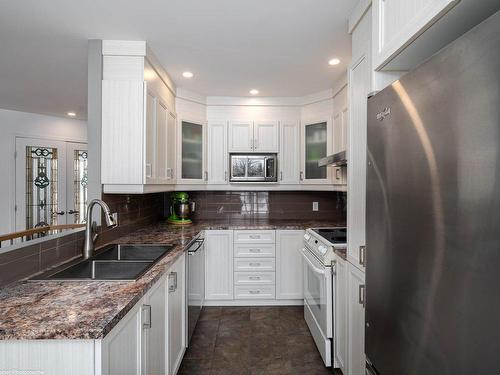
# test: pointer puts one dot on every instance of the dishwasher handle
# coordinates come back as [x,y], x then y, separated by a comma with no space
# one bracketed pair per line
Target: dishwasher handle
[200,243]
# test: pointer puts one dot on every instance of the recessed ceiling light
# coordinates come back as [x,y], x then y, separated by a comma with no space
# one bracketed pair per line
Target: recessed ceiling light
[254,92]
[187,75]
[71,114]
[334,62]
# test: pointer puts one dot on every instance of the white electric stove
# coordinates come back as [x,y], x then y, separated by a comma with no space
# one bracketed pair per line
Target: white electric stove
[319,285]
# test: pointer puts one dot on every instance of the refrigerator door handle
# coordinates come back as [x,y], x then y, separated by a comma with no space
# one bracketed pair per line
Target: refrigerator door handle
[362,255]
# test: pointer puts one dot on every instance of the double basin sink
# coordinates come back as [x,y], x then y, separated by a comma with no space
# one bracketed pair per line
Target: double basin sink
[119,262]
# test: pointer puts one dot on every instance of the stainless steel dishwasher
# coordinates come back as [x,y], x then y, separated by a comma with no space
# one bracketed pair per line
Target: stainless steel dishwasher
[196,283]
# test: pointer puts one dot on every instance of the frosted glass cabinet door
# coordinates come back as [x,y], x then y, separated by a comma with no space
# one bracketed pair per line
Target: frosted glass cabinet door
[315,149]
[192,151]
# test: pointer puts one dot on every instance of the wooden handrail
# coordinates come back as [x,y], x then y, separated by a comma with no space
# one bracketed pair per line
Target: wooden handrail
[31,232]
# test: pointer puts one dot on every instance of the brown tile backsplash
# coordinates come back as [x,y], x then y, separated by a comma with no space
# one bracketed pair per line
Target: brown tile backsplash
[136,211]
[295,205]
[31,259]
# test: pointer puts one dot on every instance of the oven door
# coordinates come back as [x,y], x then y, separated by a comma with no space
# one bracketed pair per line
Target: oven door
[318,303]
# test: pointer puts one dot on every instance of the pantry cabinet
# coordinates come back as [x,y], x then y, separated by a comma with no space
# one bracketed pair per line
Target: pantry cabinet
[253,136]
[356,321]
[289,269]
[217,155]
[359,78]
[218,265]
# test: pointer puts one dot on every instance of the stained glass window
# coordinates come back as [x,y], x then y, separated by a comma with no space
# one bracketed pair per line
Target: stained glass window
[41,186]
[80,179]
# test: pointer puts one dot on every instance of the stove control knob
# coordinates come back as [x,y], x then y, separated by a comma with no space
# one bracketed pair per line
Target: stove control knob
[307,236]
[322,249]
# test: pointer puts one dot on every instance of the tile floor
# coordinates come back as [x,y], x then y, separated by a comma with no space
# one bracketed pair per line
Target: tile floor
[252,341]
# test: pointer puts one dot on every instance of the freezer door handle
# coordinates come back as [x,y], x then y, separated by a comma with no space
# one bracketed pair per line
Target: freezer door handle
[362,255]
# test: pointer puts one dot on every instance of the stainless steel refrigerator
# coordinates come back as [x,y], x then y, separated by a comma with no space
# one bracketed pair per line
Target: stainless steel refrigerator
[433,214]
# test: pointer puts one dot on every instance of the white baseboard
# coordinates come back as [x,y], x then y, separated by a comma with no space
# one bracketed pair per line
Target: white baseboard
[269,302]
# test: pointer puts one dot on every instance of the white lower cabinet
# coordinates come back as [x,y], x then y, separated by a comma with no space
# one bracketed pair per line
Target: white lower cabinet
[356,321]
[218,265]
[341,324]
[176,316]
[289,264]
[247,265]
[150,339]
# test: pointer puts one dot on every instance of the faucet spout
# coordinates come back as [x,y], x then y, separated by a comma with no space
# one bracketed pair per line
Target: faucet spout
[90,236]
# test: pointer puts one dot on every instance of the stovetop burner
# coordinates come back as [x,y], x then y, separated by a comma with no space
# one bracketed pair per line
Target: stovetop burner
[333,235]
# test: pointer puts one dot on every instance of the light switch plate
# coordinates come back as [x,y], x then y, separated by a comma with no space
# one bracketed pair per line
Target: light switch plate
[315,206]
[115,217]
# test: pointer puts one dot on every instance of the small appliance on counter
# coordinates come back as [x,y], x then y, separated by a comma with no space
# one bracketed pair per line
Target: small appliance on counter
[180,209]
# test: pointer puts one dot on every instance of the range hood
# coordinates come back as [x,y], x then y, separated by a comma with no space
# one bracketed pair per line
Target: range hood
[336,160]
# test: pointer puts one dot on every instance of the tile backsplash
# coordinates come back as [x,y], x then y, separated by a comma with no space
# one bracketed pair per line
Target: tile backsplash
[34,258]
[292,205]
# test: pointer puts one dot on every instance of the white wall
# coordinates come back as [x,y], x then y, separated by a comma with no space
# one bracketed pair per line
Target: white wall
[12,124]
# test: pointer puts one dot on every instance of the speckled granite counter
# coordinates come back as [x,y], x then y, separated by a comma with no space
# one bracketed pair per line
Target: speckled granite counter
[90,309]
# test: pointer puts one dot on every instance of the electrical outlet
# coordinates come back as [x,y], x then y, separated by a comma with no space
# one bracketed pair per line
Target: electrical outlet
[315,206]
[115,217]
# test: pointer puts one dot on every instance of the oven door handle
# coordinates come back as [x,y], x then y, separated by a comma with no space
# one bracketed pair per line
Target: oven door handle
[311,264]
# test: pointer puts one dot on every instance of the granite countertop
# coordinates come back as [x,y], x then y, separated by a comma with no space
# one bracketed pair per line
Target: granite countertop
[90,309]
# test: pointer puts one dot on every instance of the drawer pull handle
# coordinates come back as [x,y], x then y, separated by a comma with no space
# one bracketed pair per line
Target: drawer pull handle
[254,236]
[254,277]
[254,264]
[254,291]
[254,250]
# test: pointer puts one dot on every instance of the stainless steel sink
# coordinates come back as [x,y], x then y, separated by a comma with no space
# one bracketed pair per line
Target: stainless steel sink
[115,262]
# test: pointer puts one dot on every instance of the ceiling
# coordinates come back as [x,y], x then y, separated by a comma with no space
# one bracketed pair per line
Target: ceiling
[280,47]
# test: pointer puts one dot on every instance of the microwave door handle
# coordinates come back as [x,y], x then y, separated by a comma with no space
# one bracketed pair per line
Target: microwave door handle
[266,161]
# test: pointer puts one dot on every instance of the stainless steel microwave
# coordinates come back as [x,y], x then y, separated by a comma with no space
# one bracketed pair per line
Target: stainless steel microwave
[253,167]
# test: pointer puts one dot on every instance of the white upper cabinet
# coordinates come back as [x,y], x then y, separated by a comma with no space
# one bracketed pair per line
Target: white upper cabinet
[289,156]
[266,136]
[217,156]
[138,146]
[241,136]
[316,143]
[253,136]
[191,160]
[397,24]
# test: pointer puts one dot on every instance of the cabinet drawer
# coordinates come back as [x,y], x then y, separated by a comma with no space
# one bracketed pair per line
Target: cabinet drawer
[257,250]
[253,278]
[254,264]
[254,236]
[255,292]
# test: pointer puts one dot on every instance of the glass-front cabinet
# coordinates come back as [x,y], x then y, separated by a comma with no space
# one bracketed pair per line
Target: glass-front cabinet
[316,144]
[192,160]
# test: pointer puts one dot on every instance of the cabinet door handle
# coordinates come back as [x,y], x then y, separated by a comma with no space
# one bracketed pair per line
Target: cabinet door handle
[337,177]
[254,277]
[254,250]
[206,176]
[71,212]
[60,213]
[281,176]
[361,296]
[301,176]
[256,144]
[254,291]
[146,316]
[254,236]
[362,255]
[225,176]
[148,170]
[254,264]
[172,288]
